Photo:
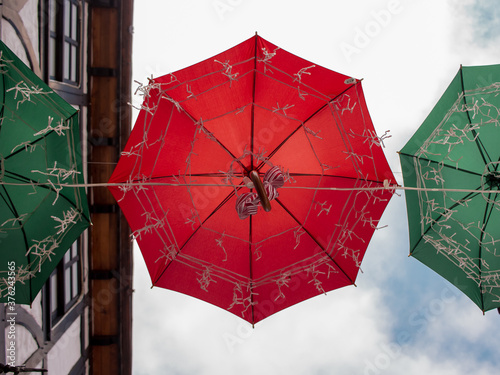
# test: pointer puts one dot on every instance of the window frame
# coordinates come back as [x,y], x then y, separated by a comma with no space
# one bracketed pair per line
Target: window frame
[54,63]
[58,303]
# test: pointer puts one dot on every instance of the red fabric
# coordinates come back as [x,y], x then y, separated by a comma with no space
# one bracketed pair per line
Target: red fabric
[205,128]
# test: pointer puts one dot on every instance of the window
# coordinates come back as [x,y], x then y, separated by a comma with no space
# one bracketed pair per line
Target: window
[63,53]
[64,283]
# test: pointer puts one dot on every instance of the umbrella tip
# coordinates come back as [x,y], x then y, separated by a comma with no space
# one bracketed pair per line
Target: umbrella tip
[256,33]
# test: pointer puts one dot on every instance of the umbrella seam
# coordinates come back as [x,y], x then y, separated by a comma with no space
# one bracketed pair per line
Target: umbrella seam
[314,239]
[441,163]
[482,150]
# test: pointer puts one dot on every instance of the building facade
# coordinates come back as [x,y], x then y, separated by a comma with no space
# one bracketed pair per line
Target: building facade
[81,322]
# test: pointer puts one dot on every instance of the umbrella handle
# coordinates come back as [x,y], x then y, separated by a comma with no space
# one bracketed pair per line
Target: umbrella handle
[259,187]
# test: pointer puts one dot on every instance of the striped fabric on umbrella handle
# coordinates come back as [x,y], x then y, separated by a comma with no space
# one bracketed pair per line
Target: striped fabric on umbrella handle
[247,204]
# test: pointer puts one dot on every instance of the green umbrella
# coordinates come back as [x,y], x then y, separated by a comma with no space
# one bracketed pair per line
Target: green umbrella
[451,170]
[39,153]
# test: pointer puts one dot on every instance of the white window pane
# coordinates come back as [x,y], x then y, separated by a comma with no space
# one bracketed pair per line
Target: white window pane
[53,293]
[52,57]
[52,15]
[74,21]
[67,60]
[67,285]
[74,60]
[67,17]
[74,283]
[74,249]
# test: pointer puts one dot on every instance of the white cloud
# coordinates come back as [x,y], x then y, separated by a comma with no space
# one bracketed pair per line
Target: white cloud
[476,29]
[204,339]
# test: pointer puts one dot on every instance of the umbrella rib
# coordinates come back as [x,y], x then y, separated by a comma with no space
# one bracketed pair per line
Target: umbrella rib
[271,154]
[314,239]
[486,219]
[191,117]
[250,223]
[224,201]
[190,175]
[252,133]
[470,195]
[345,139]
[444,165]
[252,119]
[29,144]
[2,111]
[8,202]
[44,186]
[229,152]
[328,175]
[16,214]
[479,144]
[302,125]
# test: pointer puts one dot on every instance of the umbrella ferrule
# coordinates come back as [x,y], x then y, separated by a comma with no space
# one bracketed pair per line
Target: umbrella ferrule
[493,180]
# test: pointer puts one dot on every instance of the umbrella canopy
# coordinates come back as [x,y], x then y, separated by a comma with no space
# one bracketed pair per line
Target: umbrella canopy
[39,153]
[250,130]
[453,160]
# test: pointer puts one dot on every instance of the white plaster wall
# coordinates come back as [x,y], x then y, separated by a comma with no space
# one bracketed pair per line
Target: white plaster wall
[63,356]
[29,15]
[10,38]
[23,344]
[36,309]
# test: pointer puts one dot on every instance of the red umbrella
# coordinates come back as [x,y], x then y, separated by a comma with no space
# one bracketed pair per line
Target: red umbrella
[253,180]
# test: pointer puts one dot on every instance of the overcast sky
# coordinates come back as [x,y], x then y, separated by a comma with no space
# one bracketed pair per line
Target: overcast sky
[401,318]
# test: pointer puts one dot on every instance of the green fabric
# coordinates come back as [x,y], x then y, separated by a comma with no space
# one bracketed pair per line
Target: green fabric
[39,144]
[457,147]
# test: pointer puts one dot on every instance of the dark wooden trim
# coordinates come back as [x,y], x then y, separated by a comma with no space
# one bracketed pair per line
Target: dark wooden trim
[103,141]
[43,38]
[103,72]
[103,3]
[126,254]
[103,209]
[105,340]
[110,72]
[101,274]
